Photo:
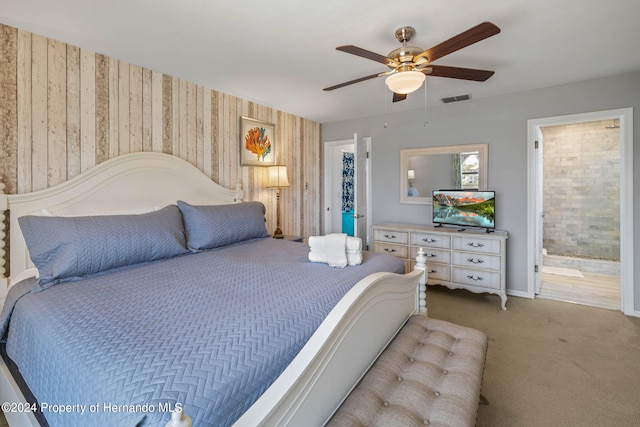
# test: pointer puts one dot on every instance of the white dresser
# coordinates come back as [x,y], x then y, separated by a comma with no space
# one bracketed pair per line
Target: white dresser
[471,259]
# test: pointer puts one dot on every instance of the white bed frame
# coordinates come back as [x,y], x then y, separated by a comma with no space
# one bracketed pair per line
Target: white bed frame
[327,368]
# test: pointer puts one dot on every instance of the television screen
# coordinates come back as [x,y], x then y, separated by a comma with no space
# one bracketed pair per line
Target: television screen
[464,208]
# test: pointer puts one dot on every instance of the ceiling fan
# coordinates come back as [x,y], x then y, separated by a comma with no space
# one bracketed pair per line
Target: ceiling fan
[410,64]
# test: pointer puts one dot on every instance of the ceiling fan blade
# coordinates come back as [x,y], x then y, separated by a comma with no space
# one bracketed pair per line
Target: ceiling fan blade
[354,50]
[399,97]
[458,73]
[464,39]
[361,79]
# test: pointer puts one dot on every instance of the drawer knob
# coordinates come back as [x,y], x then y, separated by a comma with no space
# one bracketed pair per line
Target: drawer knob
[431,256]
[475,245]
[432,271]
[475,261]
[389,236]
[429,240]
[475,278]
[391,250]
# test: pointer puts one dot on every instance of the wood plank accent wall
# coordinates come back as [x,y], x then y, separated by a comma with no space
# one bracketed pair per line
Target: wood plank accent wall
[65,109]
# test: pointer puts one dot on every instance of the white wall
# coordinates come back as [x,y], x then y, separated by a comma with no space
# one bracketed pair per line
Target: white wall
[502,123]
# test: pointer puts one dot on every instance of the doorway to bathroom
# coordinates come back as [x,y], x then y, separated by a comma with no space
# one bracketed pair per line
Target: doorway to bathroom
[581,214]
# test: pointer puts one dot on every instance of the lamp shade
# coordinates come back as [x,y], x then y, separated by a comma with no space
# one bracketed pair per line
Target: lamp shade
[411,174]
[277,176]
[404,82]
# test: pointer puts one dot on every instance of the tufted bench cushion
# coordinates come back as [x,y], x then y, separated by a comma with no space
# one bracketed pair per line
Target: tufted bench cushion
[430,374]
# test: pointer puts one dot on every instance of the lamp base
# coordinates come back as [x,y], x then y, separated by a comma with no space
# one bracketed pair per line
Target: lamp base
[278,234]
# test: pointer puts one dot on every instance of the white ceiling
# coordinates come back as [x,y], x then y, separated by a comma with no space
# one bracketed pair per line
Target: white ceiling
[281,53]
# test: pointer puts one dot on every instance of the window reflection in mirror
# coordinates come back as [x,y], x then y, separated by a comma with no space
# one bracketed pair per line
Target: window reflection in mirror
[437,168]
[466,167]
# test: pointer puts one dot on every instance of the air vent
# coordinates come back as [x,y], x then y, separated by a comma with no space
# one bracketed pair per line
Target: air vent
[456,98]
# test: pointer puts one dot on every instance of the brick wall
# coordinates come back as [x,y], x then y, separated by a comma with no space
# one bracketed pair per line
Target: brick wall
[582,190]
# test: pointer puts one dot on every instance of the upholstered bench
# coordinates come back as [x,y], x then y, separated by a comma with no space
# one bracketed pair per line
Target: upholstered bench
[430,374]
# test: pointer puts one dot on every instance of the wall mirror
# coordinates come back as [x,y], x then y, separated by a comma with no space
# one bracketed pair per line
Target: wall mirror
[441,168]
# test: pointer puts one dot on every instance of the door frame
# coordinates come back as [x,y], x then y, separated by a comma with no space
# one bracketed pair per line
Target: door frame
[327,145]
[625,117]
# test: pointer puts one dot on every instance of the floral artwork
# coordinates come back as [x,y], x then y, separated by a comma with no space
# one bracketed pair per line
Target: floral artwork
[256,142]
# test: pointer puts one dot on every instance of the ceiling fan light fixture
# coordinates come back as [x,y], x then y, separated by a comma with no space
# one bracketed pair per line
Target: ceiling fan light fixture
[405,82]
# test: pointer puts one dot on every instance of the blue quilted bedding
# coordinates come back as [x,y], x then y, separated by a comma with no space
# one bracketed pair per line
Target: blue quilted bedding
[209,331]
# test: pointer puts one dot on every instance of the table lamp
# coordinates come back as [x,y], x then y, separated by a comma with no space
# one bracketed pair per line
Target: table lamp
[277,179]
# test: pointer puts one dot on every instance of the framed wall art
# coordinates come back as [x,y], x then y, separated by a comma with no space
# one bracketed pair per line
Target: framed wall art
[257,142]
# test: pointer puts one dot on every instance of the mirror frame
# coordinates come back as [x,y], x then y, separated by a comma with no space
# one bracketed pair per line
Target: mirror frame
[405,153]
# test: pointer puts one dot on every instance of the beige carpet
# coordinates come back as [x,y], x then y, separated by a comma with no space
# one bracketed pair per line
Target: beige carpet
[550,363]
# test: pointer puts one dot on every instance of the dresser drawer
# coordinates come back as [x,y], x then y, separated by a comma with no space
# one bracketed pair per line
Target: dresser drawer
[427,240]
[438,272]
[432,255]
[391,249]
[480,278]
[399,237]
[476,244]
[476,260]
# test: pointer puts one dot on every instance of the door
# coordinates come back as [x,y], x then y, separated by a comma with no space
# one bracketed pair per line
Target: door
[360,188]
[332,185]
[535,211]
[539,209]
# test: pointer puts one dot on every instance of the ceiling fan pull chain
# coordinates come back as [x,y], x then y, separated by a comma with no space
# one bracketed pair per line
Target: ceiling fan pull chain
[386,125]
[425,103]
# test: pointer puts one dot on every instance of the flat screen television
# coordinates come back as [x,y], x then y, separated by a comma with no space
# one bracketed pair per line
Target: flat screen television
[464,208]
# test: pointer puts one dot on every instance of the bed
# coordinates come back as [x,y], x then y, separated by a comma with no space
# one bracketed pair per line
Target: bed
[128,337]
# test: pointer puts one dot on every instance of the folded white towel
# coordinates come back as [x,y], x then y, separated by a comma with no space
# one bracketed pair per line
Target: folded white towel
[354,245]
[352,248]
[316,249]
[354,259]
[336,249]
[316,243]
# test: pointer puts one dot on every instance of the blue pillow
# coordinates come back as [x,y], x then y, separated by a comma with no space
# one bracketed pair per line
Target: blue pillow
[69,247]
[215,226]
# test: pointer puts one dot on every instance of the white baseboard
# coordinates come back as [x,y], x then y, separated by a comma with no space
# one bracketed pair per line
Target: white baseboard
[521,294]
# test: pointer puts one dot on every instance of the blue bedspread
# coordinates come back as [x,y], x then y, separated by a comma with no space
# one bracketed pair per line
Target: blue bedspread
[209,331]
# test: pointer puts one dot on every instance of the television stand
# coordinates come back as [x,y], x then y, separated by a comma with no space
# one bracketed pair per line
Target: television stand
[470,259]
